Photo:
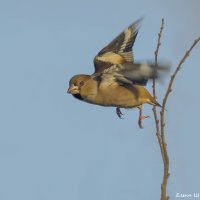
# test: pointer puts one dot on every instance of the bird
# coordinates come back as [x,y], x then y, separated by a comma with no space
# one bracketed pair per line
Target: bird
[118,81]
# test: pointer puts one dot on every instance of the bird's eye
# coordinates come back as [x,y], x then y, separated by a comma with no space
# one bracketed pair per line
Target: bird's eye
[81,83]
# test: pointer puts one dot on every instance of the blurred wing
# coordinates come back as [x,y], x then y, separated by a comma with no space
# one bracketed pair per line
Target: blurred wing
[119,50]
[133,73]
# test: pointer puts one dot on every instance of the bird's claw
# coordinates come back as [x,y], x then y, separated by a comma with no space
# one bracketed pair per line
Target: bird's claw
[119,113]
[141,117]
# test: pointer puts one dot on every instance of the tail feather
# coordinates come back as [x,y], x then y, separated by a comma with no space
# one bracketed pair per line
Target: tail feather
[154,102]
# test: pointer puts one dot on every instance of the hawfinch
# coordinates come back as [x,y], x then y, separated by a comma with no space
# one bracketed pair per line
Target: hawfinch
[117,80]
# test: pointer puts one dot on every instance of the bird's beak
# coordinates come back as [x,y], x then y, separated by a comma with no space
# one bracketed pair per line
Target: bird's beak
[73,89]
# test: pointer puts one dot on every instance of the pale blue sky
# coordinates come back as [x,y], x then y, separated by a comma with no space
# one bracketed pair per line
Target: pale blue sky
[53,146]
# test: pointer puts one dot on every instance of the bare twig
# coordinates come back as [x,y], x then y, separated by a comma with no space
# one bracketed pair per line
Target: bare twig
[162,124]
[173,76]
[160,130]
[158,133]
[160,136]
[154,90]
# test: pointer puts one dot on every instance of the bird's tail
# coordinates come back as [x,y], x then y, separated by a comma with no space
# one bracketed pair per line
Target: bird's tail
[154,102]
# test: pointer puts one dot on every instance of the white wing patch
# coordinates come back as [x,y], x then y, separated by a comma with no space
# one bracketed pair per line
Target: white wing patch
[128,34]
[113,69]
[111,57]
[128,56]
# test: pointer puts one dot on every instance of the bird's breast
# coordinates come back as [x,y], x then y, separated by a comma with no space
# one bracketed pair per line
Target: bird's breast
[110,93]
[119,96]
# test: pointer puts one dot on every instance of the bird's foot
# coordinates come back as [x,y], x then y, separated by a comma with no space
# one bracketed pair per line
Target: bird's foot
[141,117]
[119,113]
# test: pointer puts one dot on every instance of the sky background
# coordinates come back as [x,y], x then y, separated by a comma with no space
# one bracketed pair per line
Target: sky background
[53,146]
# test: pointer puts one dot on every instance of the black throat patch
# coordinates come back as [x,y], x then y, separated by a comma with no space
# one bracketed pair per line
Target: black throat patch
[78,96]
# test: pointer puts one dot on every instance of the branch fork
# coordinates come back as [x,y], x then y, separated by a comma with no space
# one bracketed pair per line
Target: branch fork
[160,122]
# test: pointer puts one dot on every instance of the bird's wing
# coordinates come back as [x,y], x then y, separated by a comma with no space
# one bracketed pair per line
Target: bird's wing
[131,73]
[118,51]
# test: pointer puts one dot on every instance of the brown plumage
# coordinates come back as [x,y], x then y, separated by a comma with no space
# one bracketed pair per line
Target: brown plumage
[117,80]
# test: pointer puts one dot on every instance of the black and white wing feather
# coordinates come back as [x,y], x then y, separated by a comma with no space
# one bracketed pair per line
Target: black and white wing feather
[118,51]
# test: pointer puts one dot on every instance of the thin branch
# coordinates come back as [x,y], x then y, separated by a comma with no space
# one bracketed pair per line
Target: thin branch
[160,130]
[162,124]
[173,76]
[154,89]
[160,137]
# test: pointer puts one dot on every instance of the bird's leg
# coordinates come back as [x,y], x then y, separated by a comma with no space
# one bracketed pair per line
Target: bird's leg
[119,113]
[141,117]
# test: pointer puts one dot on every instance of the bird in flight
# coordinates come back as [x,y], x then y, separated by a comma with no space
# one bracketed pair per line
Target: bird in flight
[117,81]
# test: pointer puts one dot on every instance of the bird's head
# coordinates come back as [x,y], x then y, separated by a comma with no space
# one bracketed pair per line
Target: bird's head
[76,83]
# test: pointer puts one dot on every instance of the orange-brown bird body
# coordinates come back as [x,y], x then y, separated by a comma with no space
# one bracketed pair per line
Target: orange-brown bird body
[105,94]
[117,80]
